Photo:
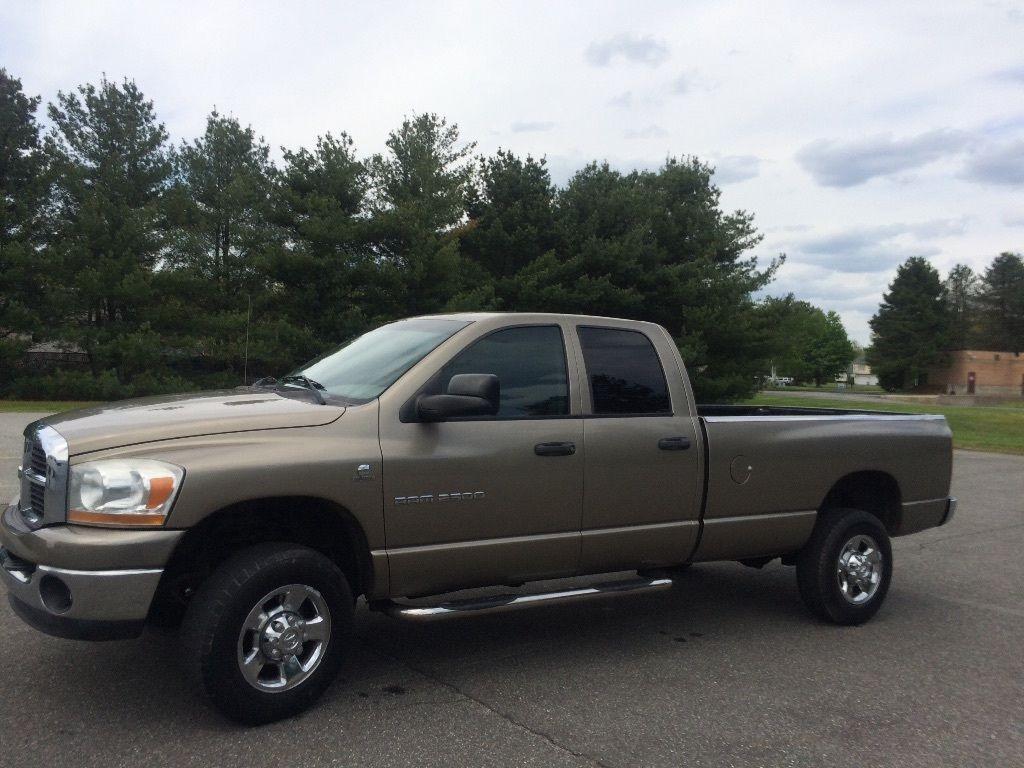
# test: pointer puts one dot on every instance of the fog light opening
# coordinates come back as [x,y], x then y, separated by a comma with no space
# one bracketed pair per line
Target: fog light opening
[55,594]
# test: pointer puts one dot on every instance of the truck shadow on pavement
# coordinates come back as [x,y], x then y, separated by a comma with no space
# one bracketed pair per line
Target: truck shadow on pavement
[401,664]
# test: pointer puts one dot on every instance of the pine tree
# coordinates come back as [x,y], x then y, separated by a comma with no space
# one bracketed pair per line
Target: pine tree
[110,165]
[910,332]
[22,191]
[656,246]
[326,270]
[419,192]
[962,297]
[225,236]
[1002,303]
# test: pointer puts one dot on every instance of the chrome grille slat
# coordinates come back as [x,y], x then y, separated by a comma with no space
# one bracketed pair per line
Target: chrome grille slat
[38,459]
[45,477]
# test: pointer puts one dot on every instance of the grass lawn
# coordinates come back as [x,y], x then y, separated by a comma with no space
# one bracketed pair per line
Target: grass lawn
[41,406]
[981,428]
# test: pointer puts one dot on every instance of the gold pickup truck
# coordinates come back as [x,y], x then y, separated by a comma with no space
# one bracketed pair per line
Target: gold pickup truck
[436,454]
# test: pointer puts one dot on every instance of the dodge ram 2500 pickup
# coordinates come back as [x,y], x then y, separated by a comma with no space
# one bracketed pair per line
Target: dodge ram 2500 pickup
[437,454]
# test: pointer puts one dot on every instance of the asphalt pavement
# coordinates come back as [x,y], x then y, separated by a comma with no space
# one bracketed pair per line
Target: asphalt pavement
[724,669]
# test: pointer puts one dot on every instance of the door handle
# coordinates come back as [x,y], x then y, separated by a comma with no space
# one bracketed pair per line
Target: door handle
[674,443]
[554,449]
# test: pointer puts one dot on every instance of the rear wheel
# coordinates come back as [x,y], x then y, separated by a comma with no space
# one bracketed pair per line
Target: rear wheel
[844,570]
[267,632]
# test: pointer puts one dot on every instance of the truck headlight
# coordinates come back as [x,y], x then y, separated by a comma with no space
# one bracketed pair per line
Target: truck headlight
[122,492]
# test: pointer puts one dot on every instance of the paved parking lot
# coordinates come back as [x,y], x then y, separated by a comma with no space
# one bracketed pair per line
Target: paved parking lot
[726,669]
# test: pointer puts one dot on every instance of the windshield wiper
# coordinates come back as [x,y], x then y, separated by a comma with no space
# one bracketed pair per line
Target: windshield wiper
[313,386]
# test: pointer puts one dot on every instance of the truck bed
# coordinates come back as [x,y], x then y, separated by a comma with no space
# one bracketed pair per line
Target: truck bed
[770,468]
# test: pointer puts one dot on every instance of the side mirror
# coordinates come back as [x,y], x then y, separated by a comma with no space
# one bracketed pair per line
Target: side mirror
[469,394]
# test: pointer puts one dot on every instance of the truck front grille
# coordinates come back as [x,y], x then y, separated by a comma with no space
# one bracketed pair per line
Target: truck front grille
[45,476]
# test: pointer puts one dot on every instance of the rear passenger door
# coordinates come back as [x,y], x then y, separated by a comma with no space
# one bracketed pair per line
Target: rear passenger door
[642,470]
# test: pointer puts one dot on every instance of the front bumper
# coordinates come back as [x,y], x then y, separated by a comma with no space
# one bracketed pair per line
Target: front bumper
[88,605]
[55,584]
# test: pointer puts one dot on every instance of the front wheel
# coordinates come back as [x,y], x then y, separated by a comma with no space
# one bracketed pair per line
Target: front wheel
[268,631]
[844,570]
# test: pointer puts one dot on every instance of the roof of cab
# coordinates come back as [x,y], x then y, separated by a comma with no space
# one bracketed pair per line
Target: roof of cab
[542,316]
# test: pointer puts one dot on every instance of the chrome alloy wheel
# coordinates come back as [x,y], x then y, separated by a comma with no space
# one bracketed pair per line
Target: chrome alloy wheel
[284,638]
[859,570]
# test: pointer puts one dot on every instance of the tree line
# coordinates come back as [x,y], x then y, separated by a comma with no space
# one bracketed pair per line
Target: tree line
[210,263]
[922,317]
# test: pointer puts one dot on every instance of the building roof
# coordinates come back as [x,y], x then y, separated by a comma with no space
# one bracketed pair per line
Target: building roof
[56,347]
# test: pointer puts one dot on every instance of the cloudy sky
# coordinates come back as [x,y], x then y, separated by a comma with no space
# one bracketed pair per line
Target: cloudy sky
[859,133]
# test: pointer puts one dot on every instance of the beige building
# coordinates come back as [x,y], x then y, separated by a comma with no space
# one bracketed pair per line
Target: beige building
[977,372]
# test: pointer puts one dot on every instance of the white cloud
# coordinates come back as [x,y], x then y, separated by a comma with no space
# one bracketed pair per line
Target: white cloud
[532,127]
[846,164]
[638,49]
[647,132]
[735,168]
[682,84]
[1001,163]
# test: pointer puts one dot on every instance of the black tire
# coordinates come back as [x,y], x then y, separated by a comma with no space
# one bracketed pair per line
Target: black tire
[216,615]
[817,567]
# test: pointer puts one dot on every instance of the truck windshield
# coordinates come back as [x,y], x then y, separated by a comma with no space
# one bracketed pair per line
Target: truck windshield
[359,370]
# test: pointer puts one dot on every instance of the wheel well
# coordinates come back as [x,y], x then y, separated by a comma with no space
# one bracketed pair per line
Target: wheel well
[317,523]
[874,492]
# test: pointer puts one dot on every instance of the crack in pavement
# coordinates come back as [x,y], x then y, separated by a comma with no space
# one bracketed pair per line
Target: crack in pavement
[481,703]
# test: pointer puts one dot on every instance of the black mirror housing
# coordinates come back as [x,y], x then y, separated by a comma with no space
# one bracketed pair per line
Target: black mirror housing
[483,385]
[469,394]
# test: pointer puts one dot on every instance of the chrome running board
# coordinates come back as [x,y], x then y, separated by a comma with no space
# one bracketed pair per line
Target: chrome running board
[511,602]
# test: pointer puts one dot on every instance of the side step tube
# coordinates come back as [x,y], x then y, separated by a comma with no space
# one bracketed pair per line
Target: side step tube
[512,602]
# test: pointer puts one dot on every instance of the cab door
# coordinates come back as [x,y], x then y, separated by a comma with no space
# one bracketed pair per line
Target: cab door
[642,469]
[488,500]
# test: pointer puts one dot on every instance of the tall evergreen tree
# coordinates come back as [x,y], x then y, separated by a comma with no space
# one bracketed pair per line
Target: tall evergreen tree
[657,246]
[1002,303]
[326,275]
[910,332]
[225,236]
[420,186]
[21,197]
[224,203]
[110,166]
[961,297]
[511,214]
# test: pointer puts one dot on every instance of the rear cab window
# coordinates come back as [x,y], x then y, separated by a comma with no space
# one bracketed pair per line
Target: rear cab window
[624,373]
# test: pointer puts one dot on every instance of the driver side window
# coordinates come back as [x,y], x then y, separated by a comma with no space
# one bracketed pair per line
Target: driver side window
[529,362]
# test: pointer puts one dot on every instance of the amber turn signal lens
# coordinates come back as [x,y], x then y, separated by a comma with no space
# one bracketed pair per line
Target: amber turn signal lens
[113,519]
[160,490]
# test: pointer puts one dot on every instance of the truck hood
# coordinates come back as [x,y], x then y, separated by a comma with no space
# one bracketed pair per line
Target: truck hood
[143,420]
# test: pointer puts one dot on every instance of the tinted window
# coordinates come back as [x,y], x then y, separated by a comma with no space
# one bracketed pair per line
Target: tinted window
[624,371]
[530,365]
